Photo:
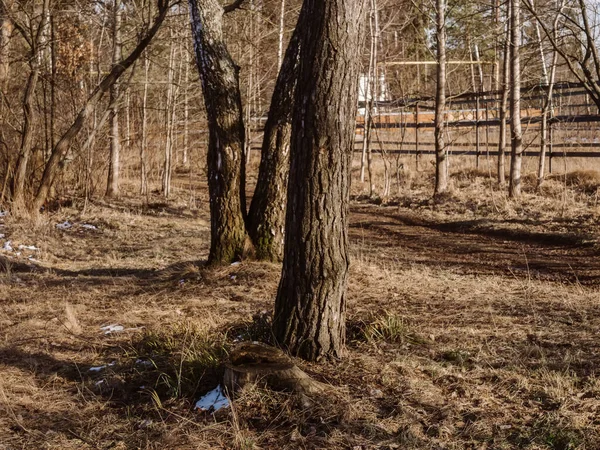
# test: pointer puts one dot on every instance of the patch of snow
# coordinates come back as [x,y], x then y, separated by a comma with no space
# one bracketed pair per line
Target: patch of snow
[2,236]
[28,247]
[7,246]
[99,368]
[112,328]
[64,226]
[88,226]
[3,213]
[213,400]
[237,263]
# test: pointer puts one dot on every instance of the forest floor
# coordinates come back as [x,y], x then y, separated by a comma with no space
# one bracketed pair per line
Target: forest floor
[473,323]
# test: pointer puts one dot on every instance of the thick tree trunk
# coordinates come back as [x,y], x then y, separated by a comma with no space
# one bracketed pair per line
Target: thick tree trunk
[63,144]
[441,155]
[221,90]
[112,188]
[309,317]
[515,101]
[267,211]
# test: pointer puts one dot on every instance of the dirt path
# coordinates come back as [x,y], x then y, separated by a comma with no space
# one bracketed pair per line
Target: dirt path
[476,246]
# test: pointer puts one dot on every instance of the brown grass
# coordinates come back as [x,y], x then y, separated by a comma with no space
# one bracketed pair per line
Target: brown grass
[472,323]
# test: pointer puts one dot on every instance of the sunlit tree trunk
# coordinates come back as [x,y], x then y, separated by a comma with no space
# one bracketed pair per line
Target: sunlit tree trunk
[309,317]
[112,188]
[267,210]
[441,154]
[220,87]
[515,101]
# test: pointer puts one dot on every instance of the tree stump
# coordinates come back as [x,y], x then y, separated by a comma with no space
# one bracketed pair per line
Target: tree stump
[253,362]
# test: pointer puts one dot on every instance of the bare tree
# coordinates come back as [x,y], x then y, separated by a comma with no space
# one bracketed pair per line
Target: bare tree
[515,100]
[221,90]
[309,317]
[267,210]
[112,187]
[59,151]
[35,41]
[441,154]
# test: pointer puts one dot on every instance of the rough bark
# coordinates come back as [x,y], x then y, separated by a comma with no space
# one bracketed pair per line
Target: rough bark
[266,219]
[252,362]
[112,187]
[309,318]
[441,154]
[514,189]
[63,144]
[220,85]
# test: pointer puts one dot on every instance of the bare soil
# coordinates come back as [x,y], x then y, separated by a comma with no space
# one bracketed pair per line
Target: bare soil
[467,329]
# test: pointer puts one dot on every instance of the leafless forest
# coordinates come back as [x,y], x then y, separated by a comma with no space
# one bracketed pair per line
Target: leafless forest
[363,224]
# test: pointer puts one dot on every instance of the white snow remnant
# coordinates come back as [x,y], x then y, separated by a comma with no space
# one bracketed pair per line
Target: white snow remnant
[7,246]
[64,225]
[88,226]
[112,328]
[213,400]
[99,368]
[28,247]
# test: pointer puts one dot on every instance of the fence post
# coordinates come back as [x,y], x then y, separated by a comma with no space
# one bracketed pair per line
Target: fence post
[477,137]
[417,136]
[550,126]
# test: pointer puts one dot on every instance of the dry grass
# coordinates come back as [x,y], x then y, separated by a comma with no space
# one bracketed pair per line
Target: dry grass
[472,323]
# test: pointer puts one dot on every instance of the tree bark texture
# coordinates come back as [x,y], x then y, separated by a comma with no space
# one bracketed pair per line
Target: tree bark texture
[267,210]
[220,84]
[309,317]
[441,154]
[514,189]
[112,187]
[62,146]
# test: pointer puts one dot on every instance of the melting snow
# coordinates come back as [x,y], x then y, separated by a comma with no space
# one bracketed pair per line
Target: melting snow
[99,368]
[64,226]
[213,400]
[113,328]
[237,263]
[88,226]
[3,213]
[7,246]
[28,247]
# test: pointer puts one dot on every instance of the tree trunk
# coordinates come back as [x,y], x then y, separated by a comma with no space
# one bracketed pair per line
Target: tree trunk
[515,101]
[309,317]
[504,103]
[266,219]
[221,90]
[441,155]
[169,122]
[63,144]
[112,188]
[144,131]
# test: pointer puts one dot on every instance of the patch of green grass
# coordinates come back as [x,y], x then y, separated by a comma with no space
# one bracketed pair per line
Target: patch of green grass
[391,328]
[184,357]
